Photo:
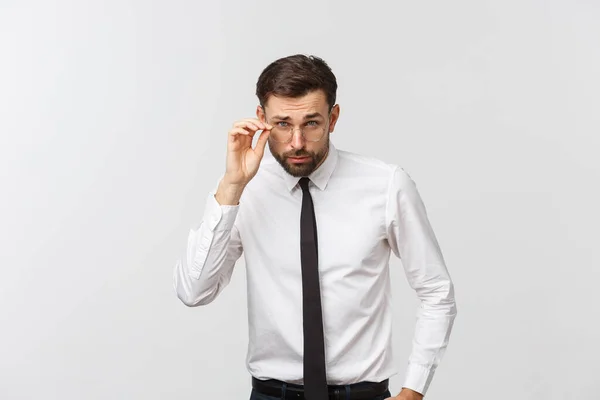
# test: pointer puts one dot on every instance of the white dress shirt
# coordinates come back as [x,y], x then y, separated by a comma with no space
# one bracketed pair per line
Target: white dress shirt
[364,209]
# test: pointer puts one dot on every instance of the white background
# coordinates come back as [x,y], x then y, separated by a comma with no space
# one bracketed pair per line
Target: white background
[113,121]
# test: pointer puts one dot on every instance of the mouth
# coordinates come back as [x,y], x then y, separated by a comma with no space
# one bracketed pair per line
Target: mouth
[298,160]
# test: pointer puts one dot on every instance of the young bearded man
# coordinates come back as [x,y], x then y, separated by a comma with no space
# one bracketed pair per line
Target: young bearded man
[317,226]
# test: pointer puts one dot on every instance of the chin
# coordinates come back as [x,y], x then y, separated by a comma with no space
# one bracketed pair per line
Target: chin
[298,171]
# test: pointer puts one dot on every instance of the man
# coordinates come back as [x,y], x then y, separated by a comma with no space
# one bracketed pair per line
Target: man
[317,225]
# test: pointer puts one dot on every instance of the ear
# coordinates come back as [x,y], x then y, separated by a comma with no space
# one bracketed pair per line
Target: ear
[260,114]
[335,114]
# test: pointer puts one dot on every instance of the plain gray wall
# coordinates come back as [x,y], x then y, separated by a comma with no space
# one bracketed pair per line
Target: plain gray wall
[113,121]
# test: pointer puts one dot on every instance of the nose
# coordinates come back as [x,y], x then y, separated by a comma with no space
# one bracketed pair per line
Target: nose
[298,140]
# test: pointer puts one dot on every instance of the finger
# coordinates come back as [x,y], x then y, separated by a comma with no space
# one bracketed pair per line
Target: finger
[260,124]
[257,122]
[240,131]
[246,124]
[261,143]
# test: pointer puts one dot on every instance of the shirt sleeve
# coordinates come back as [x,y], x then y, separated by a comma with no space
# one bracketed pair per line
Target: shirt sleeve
[412,239]
[212,250]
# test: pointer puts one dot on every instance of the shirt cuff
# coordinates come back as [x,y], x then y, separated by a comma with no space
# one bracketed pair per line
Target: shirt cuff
[219,217]
[418,378]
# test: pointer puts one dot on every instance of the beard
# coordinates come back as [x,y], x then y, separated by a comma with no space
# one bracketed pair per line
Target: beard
[302,169]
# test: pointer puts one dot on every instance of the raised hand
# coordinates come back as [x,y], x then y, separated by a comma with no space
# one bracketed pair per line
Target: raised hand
[242,160]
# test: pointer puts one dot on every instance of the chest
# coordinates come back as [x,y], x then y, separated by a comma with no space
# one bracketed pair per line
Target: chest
[350,231]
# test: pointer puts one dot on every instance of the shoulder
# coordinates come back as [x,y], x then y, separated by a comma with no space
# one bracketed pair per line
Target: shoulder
[386,176]
[366,165]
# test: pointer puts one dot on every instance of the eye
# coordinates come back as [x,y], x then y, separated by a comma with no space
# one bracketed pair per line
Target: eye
[312,123]
[282,124]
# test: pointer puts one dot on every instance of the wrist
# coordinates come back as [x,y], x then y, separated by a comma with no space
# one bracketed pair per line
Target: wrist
[409,394]
[229,193]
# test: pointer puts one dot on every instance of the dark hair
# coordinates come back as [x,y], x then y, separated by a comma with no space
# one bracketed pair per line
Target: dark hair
[296,76]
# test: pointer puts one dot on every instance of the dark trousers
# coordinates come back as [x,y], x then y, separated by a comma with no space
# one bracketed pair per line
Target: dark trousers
[259,396]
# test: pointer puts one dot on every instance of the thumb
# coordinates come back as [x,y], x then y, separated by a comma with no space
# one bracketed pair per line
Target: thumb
[261,143]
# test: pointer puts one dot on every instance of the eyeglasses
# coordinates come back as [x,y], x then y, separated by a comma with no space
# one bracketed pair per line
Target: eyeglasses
[312,131]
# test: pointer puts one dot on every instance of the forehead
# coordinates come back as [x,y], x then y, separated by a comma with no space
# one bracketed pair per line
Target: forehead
[312,102]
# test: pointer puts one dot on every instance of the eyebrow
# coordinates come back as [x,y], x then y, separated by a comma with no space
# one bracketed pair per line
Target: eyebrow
[307,116]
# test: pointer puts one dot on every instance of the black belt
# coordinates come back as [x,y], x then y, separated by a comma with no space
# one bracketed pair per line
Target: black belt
[358,391]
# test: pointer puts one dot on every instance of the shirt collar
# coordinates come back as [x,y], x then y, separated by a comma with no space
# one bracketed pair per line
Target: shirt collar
[320,176]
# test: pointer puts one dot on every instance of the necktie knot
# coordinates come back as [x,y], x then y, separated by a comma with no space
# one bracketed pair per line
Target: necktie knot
[304,184]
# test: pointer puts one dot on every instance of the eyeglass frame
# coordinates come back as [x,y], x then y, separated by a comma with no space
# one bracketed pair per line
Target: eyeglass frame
[293,129]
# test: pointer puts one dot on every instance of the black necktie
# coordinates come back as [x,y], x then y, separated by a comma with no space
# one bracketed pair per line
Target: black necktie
[315,381]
